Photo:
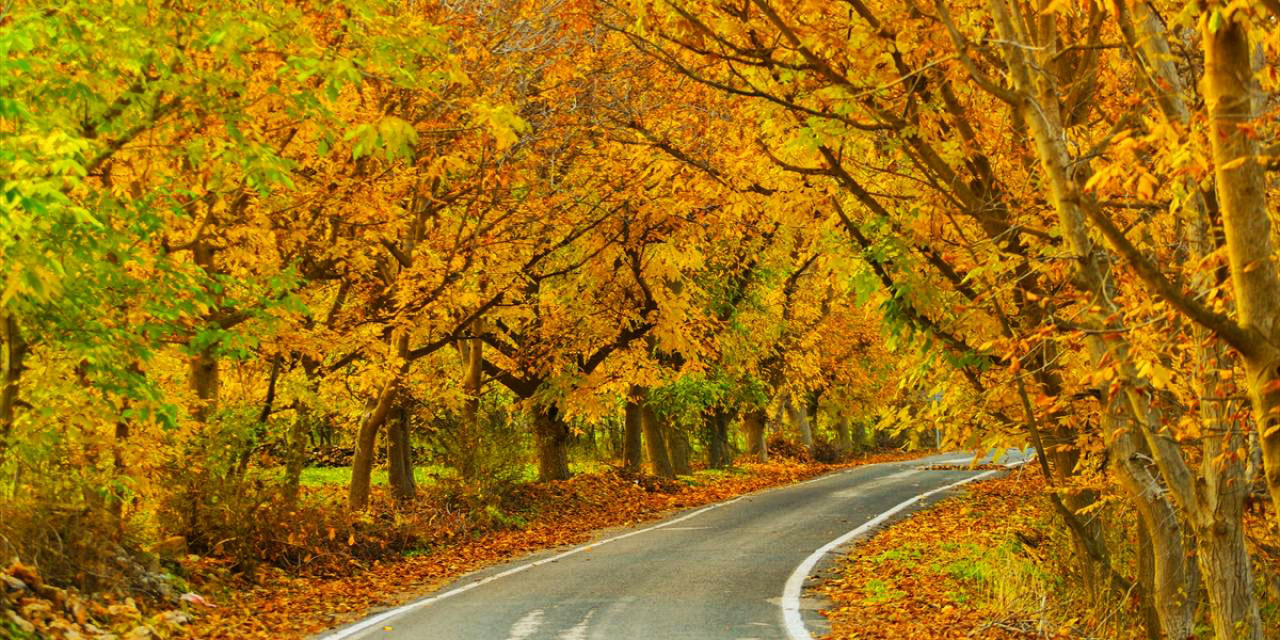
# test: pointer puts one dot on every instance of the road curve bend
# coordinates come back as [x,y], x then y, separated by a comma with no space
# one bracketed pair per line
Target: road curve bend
[713,573]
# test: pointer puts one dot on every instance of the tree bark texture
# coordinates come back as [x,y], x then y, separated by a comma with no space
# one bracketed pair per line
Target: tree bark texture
[552,435]
[753,424]
[14,353]
[719,455]
[632,440]
[655,437]
[366,440]
[400,456]
[1241,191]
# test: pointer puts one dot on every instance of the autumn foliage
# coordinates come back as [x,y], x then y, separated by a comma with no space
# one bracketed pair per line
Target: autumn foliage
[480,244]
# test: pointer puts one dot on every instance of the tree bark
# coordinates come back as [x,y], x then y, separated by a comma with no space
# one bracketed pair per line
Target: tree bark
[1175,580]
[362,462]
[400,456]
[844,441]
[632,455]
[753,424]
[678,447]
[655,438]
[798,419]
[297,457]
[1224,561]
[15,353]
[552,435]
[718,453]
[1146,583]
[1241,190]
[472,350]
[204,382]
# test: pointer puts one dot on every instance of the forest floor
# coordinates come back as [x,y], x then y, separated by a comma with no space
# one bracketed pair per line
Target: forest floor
[988,563]
[363,565]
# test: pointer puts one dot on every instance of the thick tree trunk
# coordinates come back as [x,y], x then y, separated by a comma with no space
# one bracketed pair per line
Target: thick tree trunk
[1228,86]
[753,424]
[655,438]
[400,457]
[844,440]
[366,440]
[718,453]
[1146,583]
[678,447]
[1175,580]
[1224,561]
[552,435]
[632,440]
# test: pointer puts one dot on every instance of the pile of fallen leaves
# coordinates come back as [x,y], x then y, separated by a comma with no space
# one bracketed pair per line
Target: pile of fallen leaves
[30,608]
[273,603]
[950,571]
[966,467]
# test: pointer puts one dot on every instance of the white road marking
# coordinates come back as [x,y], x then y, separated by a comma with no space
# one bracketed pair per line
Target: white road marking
[792,620]
[579,631]
[527,626]
[373,621]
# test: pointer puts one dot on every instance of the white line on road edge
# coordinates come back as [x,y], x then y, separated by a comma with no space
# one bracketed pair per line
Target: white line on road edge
[351,631]
[792,620]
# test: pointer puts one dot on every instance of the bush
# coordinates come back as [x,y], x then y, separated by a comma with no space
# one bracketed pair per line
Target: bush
[780,447]
[827,453]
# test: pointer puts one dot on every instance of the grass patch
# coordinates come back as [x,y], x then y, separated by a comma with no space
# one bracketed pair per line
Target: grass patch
[323,476]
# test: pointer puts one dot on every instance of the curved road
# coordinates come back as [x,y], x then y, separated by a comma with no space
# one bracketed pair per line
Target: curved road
[711,573]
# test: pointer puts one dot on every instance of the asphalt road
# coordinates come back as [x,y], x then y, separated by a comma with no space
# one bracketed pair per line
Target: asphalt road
[710,573]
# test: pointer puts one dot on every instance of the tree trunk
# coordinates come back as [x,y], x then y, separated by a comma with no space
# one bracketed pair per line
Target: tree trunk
[472,350]
[14,353]
[632,455]
[1241,190]
[400,457]
[552,435]
[844,441]
[1146,583]
[678,447]
[1224,561]
[204,381]
[718,454]
[366,440]
[753,423]
[1174,579]
[798,420]
[655,438]
[297,458]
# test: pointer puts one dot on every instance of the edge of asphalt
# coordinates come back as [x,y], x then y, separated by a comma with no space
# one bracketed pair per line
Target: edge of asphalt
[792,614]
[358,627]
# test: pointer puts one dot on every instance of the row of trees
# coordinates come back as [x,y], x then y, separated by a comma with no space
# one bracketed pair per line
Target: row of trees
[229,228]
[227,225]
[1071,202]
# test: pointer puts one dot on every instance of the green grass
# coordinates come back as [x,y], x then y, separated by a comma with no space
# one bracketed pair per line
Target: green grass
[425,474]
[321,476]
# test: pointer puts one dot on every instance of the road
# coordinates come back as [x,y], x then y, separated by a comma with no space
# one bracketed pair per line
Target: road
[712,573]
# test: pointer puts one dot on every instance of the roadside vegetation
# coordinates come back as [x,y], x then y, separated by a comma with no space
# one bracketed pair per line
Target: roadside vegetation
[993,562]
